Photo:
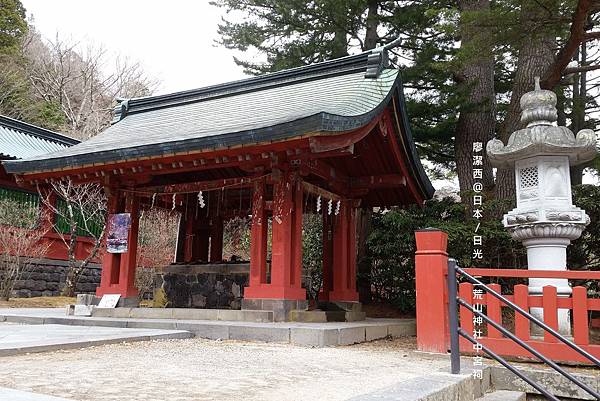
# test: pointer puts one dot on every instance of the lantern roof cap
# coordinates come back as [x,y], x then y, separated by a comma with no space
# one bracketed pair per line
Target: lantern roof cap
[541,136]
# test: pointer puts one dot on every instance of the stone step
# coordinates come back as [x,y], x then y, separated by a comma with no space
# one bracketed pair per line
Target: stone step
[258,316]
[304,334]
[504,395]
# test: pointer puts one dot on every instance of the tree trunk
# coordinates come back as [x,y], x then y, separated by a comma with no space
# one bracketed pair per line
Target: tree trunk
[339,44]
[477,119]
[70,282]
[578,111]
[372,23]
[536,56]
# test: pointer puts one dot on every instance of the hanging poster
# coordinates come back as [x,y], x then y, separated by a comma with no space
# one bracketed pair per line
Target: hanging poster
[118,232]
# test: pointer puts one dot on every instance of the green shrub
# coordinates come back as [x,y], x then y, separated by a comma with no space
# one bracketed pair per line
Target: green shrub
[391,246]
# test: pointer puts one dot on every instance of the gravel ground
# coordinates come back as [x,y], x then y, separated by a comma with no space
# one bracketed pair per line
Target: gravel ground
[199,369]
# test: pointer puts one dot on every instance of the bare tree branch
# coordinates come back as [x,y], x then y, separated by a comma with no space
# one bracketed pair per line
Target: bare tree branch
[85,206]
[22,228]
[83,81]
[573,70]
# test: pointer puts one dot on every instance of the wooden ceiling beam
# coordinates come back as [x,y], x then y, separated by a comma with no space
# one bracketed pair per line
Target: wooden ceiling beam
[378,181]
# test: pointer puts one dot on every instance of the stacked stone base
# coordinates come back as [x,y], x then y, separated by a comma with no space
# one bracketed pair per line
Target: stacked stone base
[47,277]
[213,286]
[281,308]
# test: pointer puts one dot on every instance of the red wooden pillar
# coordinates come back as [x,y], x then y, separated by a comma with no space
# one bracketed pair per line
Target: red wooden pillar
[297,221]
[111,261]
[216,239]
[327,257]
[431,271]
[258,238]
[118,270]
[129,258]
[351,278]
[286,249]
[344,255]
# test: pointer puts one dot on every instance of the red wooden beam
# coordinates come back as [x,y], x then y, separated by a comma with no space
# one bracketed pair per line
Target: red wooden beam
[318,191]
[326,143]
[378,181]
[345,151]
[537,301]
[164,164]
[238,182]
[557,352]
[568,274]
[336,180]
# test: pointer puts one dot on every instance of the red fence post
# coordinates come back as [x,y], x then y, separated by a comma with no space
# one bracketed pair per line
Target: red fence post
[549,302]
[521,322]
[581,331]
[431,270]
[465,292]
[494,311]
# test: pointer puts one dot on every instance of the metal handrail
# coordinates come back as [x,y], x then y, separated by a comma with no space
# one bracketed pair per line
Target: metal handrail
[455,331]
[510,367]
[532,318]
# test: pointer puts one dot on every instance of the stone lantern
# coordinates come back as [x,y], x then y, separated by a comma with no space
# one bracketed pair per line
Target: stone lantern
[545,219]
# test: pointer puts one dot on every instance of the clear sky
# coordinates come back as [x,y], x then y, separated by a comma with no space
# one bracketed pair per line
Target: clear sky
[173,40]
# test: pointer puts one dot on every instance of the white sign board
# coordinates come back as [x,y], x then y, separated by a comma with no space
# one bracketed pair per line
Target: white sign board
[109,301]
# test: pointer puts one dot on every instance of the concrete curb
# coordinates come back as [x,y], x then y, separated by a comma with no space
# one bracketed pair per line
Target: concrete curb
[437,387]
[17,395]
[303,334]
[74,344]
[503,379]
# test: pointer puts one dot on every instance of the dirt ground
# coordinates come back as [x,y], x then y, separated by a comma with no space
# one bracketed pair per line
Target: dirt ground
[38,302]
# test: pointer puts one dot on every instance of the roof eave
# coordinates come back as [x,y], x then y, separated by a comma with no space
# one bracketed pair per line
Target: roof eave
[38,132]
[422,179]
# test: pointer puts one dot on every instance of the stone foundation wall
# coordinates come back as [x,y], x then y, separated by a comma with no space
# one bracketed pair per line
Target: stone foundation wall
[48,276]
[204,286]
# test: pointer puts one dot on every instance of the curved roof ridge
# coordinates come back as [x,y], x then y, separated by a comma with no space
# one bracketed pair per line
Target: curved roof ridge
[340,66]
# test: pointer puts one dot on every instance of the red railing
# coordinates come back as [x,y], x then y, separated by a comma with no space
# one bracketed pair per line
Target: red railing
[432,305]
[579,303]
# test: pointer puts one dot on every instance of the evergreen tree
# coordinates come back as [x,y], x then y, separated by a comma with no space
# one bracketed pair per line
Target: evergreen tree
[13,25]
[465,63]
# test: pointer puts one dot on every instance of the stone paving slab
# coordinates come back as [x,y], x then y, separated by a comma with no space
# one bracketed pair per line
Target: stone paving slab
[297,333]
[16,395]
[19,339]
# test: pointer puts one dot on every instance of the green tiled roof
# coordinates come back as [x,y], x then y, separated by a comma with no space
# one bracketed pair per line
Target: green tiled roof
[328,97]
[19,140]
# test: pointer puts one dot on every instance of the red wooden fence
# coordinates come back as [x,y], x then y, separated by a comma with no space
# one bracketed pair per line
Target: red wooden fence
[432,306]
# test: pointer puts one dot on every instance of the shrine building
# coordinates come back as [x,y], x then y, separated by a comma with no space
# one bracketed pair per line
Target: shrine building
[19,140]
[327,138]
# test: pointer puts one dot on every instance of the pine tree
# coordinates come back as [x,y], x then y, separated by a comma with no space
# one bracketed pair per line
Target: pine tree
[465,63]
